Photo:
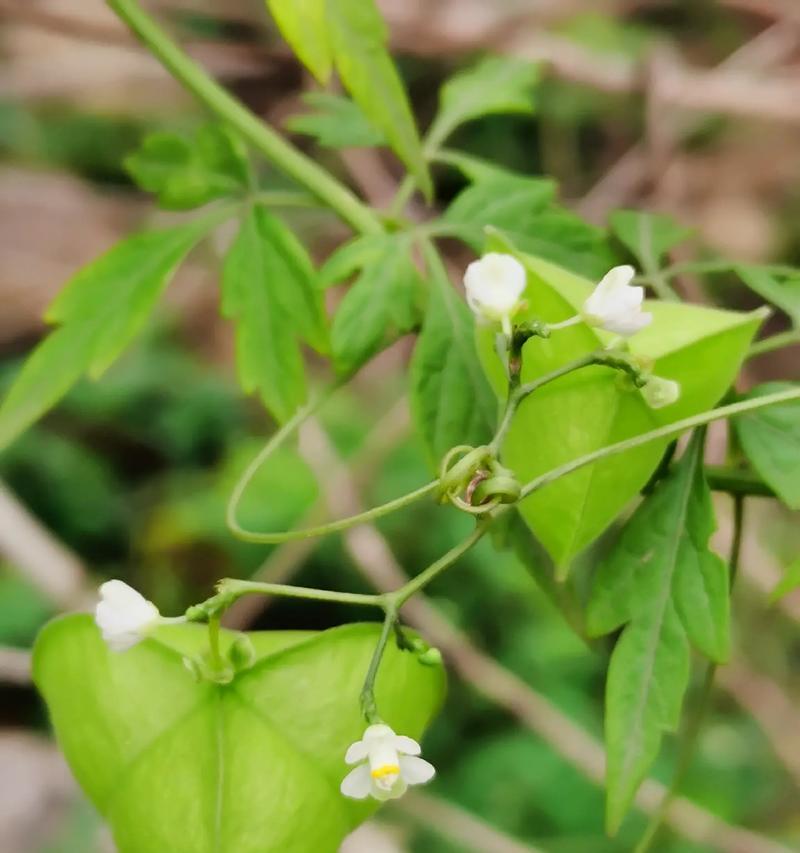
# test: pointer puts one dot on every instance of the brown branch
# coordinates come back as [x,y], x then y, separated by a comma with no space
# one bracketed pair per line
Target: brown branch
[33,551]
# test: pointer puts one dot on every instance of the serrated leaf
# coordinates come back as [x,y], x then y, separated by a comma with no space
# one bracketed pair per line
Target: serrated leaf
[99,312]
[663,580]
[185,767]
[304,26]
[648,236]
[358,39]
[382,304]
[497,84]
[186,173]
[523,209]
[770,439]
[351,257]
[503,201]
[783,292]
[590,409]
[269,289]
[451,400]
[335,122]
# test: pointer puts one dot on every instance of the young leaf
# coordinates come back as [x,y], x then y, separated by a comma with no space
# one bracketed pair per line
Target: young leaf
[99,312]
[180,766]
[303,24]
[661,579]
[268,288]
[380,305]
[450,397]
[648,236]
[335,122]
[497,84]
[770,439]
[783,293]
[186,173]
[590,409]
[503,201]
[358,38]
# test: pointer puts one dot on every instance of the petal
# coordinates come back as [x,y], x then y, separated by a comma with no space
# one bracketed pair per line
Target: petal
[356,752]
[357,784]
[406,745]
[416,771]
[398,789]
[118,593]
[616,278]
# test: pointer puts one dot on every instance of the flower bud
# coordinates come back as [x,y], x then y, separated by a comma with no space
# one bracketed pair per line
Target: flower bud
[659,392]
[494,285]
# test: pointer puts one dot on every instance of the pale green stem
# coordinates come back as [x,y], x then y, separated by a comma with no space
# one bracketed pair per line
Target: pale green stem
[369,707]
[565,324]
[213,642]
[232,589]
[770,344]
[519,393]
[662,432]
[287,158]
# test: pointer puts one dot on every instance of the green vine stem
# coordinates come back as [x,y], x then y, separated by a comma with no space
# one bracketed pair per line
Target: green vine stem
[694,725]
[269,448]
[661,432]
[287,158]
[369,706]
[518,393]
[779,341]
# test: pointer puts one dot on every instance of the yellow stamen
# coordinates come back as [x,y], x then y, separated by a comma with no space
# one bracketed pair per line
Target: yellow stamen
[386,770]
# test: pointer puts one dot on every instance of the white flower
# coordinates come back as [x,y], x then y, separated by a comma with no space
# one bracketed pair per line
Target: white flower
[660,392]
[615,305]
[494,285]
[124,616]
[387,765]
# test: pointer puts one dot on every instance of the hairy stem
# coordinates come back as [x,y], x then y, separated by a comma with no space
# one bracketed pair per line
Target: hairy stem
[287,158]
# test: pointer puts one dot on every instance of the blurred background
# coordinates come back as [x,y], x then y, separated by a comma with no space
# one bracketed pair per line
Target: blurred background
[689,107]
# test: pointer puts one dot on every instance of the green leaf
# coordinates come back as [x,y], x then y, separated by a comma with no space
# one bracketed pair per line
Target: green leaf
[663,580]
[380,305]
[784,293]
[269,288]
[186,173]
[240,768]
[99,312]
[350,257]
[358,37]
[497,84]
[770,439]
[590,409]
[523,209]
[648,236]
[335,122]
[788,583]
[303,24]
[451,400]
[503,201]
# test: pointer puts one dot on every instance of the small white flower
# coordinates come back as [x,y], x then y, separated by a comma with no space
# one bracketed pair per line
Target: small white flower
[124,616]
[615,305]
[660,392]
[387,765]
[494,285]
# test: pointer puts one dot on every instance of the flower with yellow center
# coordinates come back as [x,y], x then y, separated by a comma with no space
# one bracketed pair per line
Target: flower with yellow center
[387,765]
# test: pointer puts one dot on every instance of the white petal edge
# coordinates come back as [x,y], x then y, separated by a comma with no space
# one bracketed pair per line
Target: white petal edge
[416,771]
[358,783]
[356,752]
[406,745]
